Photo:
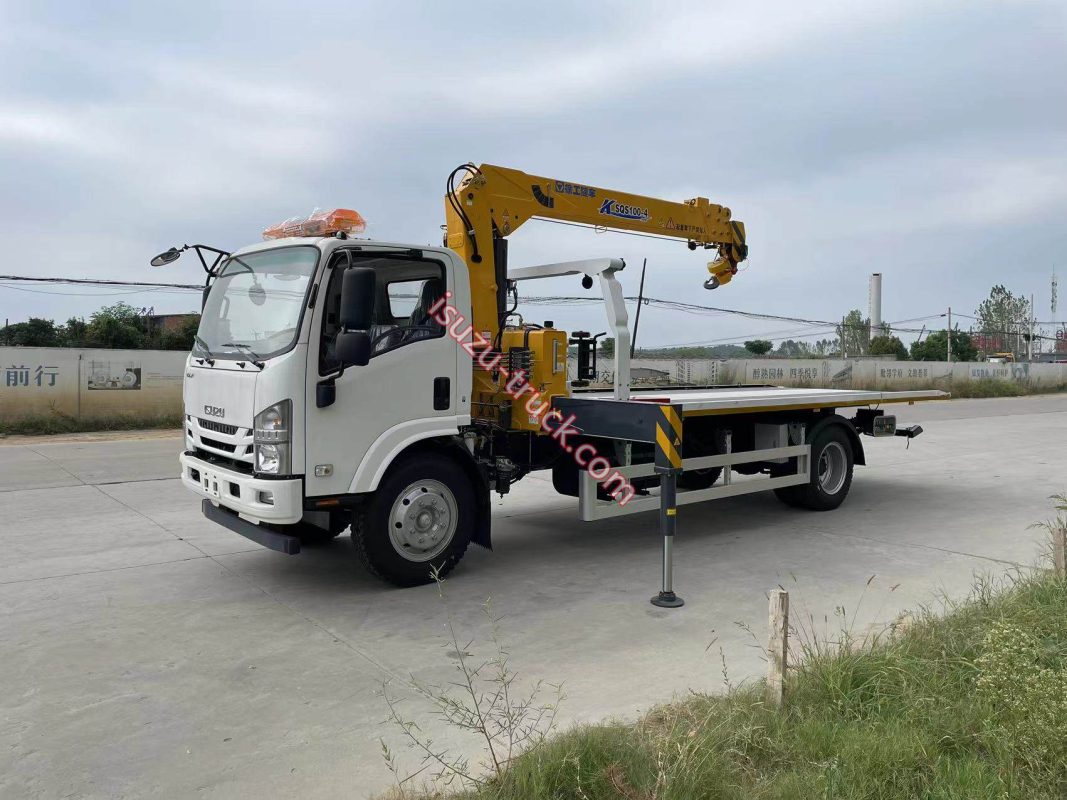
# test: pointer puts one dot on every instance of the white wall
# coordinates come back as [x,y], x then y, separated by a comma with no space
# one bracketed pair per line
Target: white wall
[92,383]
[89,383]
[844,373]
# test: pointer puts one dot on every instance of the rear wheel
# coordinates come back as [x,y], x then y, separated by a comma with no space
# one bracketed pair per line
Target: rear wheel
[700,443]
[418,521]
[831,473]
[699,478]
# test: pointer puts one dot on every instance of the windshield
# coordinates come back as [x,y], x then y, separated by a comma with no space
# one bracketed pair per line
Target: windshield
[255,303]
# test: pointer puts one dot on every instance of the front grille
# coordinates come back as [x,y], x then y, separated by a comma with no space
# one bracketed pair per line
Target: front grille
[218,427]
[223,461]
[229,448]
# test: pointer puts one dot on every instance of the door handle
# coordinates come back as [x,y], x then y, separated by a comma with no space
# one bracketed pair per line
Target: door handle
[442,394]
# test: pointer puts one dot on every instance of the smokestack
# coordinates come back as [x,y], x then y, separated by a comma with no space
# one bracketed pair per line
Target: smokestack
[875,302]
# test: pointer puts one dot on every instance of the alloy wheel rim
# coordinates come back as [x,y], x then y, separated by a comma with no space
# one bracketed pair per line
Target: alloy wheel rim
[423,520]
[833,466]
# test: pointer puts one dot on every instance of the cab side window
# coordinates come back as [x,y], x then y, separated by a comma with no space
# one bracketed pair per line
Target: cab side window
[405,304]
[406,290]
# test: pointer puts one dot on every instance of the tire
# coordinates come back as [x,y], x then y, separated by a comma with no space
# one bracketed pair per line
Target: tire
[418,522]
[701,443]
[699,478]
[831,473]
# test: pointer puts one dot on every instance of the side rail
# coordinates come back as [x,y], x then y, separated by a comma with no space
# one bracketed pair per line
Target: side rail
[591,508]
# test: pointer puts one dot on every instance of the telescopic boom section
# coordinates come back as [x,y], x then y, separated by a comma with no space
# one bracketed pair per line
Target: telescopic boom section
[492,202]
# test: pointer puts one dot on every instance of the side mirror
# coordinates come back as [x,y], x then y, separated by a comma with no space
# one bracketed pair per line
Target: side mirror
[353,348]
[166,257]
[357,299]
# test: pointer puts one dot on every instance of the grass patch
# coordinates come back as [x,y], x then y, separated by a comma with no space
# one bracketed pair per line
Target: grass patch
[991,387]
[45,424]
[968,704]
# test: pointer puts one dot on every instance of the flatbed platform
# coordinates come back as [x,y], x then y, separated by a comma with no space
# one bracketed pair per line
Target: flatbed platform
[747,399]
[656,415]
[633,419]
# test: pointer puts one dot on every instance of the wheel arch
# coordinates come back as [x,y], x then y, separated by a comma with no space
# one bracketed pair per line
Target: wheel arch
[832,420]
[452,447]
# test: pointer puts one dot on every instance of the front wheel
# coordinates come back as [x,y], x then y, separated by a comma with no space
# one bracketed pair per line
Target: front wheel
[418,523]
[831,473]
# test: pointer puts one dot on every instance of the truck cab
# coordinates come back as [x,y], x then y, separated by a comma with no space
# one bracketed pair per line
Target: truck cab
[279,433]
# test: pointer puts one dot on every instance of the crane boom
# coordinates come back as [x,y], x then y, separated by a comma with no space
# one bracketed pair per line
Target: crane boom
[493,202]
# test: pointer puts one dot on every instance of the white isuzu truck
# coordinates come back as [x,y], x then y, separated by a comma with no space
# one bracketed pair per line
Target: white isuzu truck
[389,388]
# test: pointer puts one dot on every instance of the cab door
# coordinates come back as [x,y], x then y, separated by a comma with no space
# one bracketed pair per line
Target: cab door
[408,389]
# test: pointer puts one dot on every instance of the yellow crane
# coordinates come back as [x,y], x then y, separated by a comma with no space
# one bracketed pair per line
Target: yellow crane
[489,203]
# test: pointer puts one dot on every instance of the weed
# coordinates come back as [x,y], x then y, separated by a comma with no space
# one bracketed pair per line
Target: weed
[968,701]
[483,702]
[58,422]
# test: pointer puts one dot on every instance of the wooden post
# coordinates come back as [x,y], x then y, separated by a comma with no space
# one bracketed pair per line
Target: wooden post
[777,646]
[1059,551]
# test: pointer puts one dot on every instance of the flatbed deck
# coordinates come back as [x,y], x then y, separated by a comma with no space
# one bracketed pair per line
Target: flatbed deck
[633,419]
[747,399]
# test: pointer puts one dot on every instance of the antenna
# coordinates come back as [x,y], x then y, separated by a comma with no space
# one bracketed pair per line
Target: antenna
[1055,285]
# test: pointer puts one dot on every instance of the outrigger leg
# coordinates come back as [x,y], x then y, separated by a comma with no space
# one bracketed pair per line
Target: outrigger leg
[669,466]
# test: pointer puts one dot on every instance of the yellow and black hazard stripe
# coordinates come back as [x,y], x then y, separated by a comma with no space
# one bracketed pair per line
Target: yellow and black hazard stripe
[669,438]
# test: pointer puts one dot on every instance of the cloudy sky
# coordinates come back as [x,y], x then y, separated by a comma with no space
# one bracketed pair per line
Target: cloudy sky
[923,140]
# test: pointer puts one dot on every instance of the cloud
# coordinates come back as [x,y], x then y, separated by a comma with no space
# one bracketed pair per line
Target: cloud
[921,140]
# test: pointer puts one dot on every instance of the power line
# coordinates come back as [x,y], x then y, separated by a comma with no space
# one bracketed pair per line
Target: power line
[95,294]
[101,282]
[557,300]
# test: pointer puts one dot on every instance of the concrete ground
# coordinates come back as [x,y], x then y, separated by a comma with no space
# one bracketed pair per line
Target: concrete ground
[147,652]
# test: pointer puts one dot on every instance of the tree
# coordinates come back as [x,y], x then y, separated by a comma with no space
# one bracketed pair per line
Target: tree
[1004,318]
[825,347]
[118,326]
[854,333]
[75,333]
[793,349]
[182,338]
[35,332]
[935,347]
[758,347]
[888,346]
[607,347]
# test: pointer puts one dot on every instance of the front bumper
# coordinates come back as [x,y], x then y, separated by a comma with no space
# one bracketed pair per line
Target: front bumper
[254,499]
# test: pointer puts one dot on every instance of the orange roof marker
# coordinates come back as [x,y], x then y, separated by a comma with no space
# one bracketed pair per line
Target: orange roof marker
[318,223]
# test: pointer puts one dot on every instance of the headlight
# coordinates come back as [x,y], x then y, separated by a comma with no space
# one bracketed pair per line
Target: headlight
[270,437]
[272,423]
[272,459]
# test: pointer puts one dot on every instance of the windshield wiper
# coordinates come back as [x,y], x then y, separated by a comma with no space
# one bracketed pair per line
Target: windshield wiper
[207,350]
[250,352]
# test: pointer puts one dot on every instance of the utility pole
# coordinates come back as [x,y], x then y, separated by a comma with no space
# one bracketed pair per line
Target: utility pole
[844,335]
[1030,338]
[949,336]
[637,315]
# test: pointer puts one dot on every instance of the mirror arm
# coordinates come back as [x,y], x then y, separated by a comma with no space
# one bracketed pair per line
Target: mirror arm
[200,248]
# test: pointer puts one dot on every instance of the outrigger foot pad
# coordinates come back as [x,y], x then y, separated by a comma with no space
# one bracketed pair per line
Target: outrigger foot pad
[668,600]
